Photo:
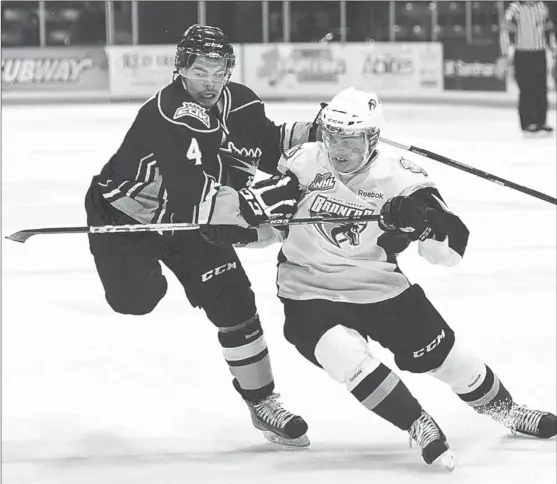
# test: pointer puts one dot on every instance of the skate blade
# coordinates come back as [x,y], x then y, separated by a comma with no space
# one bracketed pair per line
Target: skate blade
[448,460]
[302,441]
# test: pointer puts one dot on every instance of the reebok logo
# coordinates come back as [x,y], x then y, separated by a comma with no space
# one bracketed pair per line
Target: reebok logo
[355,375]
[251,335]
[366,194]
[475,381]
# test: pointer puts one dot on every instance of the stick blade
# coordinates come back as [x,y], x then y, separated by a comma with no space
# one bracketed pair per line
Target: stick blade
[21,236]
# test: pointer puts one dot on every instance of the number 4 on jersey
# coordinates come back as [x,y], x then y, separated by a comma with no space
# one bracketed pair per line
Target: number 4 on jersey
[194,153]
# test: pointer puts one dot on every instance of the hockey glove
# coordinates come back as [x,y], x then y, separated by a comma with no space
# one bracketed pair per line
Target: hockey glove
[404,214]
[276,197]
[225,235]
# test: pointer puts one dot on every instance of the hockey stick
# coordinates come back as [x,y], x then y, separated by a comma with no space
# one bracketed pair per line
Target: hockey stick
[23,235]
[471,170]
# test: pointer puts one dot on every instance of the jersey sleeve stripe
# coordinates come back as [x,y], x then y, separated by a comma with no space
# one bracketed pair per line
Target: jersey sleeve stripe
[257,101]
[161,210]
[141,164]
[282,136]
[152,171]
[291,135]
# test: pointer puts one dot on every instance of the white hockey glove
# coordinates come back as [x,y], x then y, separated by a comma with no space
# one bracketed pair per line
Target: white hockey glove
[276,197]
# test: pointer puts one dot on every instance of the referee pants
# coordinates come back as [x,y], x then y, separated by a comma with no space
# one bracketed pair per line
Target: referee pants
[530,70]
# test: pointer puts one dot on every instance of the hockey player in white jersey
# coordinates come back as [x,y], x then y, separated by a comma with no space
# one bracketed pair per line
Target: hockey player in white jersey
[340,283]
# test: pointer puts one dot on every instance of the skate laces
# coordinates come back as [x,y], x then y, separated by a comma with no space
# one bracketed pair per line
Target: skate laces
[271,411]
[424,431]
[525,419]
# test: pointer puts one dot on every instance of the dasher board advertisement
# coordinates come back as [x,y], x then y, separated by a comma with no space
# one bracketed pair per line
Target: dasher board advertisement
[51,69]
[469,67]
[317,70]
[139,71]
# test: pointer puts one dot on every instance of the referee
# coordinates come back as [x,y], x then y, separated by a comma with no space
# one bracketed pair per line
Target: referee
[533,33]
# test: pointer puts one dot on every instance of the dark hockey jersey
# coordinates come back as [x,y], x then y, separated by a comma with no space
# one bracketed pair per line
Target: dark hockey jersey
[177,153]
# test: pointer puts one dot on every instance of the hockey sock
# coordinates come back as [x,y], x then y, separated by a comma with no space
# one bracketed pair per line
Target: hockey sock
[489,396]
[382,392]
[245,350]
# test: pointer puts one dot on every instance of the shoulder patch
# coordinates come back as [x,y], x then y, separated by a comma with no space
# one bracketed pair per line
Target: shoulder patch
[193,110]
[292,151]
[411,166]
[322,181]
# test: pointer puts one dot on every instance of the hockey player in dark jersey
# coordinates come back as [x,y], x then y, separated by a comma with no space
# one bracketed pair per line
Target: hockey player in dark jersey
[194,148]
[341,284]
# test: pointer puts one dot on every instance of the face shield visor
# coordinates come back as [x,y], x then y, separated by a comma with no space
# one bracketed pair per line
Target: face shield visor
[348,151]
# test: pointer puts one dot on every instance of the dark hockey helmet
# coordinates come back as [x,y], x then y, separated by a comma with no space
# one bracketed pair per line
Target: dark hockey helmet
[207,41]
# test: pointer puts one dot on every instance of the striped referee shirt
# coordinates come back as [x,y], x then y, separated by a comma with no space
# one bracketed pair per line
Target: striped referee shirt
[532,28]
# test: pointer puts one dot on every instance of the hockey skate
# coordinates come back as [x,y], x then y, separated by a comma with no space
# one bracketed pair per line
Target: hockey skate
[278,425]
[431,439]
[534,423]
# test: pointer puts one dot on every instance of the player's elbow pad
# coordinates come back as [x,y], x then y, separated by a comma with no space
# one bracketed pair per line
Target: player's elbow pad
[437,252]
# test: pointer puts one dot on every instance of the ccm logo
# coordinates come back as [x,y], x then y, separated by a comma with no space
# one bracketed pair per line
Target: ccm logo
[217,271]
[431,346]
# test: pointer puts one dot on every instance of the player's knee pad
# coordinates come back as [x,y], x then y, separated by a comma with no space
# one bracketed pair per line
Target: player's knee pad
[345,355]
[342,352]
[245,350]
[461,370]
[137,303]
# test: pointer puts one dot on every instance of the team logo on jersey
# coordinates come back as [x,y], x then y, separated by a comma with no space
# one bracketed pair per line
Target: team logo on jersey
[338,234]
[372,104]
[411,166]
[195,111]
[249,155]
[322,181]
[242,159]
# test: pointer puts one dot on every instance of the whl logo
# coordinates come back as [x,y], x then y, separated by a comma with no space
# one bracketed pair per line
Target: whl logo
[322,181]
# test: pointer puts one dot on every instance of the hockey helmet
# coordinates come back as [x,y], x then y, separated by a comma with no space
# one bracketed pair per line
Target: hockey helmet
[204,40]
[350,126]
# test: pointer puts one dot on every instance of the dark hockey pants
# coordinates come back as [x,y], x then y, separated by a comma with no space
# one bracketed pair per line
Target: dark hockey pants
[130,270]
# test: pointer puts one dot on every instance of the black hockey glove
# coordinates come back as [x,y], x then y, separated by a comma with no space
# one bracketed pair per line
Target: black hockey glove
[275,197]
[225,235]
[402,213]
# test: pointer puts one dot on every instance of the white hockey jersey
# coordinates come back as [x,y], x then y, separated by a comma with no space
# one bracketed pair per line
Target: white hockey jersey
[347,262]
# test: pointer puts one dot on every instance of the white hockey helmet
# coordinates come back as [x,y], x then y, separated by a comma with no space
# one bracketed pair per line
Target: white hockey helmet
[350,126]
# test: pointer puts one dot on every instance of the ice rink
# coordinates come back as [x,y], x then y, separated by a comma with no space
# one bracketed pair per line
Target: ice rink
[91,397]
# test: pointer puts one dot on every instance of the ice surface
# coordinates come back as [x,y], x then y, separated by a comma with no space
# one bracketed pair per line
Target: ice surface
[94,397]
